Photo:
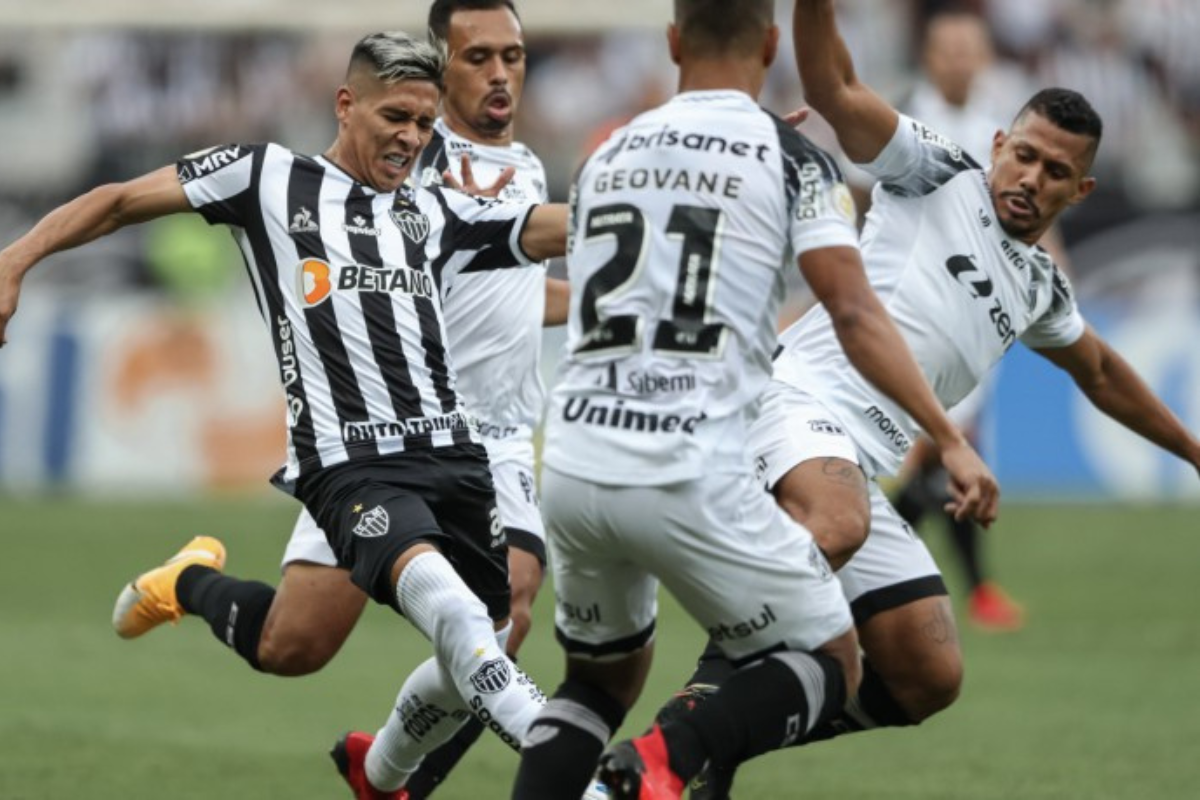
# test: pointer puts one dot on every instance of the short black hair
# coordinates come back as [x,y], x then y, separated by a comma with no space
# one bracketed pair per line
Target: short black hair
[1068,110]
[721,26]
[442,10]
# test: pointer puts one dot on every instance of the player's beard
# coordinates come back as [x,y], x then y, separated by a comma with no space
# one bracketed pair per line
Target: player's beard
[1018,226]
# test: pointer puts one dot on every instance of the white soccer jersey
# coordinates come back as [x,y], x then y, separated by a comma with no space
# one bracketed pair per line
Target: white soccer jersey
[494,317]
[682,225]
[347,280]
[961,290]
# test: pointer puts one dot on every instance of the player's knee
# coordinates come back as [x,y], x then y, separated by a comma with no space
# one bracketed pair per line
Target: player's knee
[839,532]
[293,656]
[934,690]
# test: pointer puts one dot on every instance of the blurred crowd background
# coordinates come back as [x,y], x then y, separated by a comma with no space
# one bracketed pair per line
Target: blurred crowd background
[81,106]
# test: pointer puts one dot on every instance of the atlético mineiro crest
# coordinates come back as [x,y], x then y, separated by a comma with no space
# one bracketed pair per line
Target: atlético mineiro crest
[373,523]
[493,676]
[408,218]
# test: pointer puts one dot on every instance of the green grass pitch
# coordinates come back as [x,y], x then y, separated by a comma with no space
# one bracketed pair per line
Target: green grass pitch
[1097,698]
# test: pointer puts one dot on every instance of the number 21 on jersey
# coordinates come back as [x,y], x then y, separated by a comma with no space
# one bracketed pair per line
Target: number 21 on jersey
[688,333]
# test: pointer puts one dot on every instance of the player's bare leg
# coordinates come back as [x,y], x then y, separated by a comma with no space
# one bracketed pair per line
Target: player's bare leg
[829,497]
[915,661]
[294,629]
[314,610]
[525,573]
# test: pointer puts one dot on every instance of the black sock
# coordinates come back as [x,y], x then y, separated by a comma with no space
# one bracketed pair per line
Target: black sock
[235,609]
[759,709]
[712,670]
[564,743]
[872,707]
[965,536]
[437,765]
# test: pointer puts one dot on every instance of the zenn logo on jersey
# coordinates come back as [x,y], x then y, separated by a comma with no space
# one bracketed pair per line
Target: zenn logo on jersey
[980,286]
[318,280]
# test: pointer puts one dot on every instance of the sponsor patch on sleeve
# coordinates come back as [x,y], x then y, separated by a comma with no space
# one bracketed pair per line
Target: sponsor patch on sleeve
[205,162]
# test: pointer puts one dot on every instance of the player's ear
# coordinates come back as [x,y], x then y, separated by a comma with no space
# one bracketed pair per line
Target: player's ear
[1086,186]
[771,46]
[342,101]
[998,140]
[673,45]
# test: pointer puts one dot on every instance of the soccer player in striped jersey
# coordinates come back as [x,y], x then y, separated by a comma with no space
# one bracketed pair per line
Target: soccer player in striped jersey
[346,260]
[683,224]
[952,251]
[494,322]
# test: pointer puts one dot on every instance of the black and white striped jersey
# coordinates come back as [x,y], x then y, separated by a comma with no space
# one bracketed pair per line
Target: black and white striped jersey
[348,280]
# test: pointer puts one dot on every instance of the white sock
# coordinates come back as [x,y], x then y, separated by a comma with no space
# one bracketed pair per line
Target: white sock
[437,601]
[428,712]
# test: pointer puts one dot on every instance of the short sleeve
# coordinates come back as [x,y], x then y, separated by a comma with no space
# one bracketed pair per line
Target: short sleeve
[1062,325]
[917,160]
[486,234]
[218,181]
[821,210]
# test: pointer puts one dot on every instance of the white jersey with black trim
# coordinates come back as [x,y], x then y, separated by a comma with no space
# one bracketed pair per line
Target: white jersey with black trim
[494,317]
[682,225]
[960,289]
[347,280]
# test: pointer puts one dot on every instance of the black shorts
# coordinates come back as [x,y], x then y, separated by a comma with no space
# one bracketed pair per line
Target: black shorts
[373,510]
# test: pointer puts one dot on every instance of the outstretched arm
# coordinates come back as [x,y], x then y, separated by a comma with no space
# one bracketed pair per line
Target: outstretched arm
[875,347]
[87,217]
[1116,389]
[863,121]
[545,234]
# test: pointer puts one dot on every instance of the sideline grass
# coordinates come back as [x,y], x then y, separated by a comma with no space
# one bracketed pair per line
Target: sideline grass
[1095,699]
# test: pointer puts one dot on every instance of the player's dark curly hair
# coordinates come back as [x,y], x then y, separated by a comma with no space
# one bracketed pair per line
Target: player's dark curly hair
[1068,110]
[442,10]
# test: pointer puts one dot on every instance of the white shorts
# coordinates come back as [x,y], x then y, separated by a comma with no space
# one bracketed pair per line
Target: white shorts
[516,501]
[752,577]
[894,566]
[793,427]
[308,543]
[517,495]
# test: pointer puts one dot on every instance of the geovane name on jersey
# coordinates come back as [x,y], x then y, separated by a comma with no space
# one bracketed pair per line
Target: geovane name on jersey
[318,280]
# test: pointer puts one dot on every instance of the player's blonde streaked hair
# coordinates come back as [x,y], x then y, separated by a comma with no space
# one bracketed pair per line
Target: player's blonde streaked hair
[394,56]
